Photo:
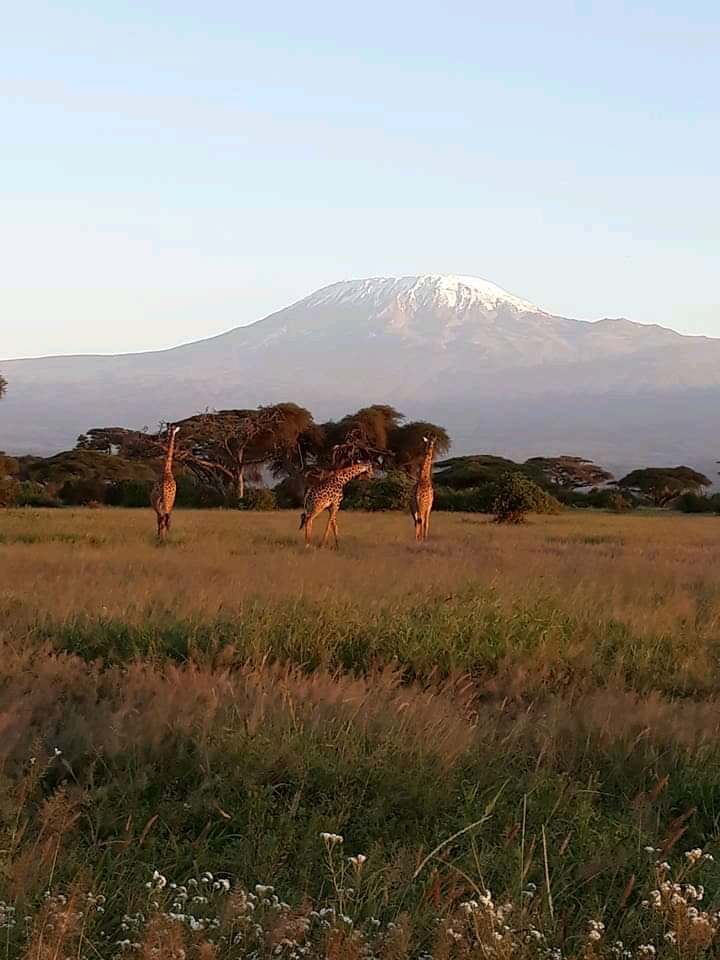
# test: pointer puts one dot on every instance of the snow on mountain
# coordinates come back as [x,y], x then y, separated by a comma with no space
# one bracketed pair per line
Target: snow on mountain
[457,293]
[502,373]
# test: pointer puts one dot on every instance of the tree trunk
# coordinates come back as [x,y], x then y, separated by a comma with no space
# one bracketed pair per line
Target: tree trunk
[240,483]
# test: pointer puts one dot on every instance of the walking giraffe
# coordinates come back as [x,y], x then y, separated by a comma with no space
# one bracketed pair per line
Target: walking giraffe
[422,498]
[162,497]
[328,496]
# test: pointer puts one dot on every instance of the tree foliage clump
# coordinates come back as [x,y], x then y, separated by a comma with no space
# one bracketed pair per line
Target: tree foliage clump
[517,495]
[661,485]
[3,386]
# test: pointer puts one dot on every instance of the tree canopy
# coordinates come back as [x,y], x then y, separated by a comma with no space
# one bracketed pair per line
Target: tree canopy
[3,386]
[566,472]
[462,473]
[660,485]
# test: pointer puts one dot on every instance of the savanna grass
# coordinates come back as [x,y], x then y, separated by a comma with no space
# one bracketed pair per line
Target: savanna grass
[546,695]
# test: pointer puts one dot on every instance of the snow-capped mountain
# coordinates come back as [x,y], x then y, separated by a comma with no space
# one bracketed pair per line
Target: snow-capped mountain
[500,372]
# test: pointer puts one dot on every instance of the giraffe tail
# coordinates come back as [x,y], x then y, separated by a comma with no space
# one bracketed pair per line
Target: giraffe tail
[303,519]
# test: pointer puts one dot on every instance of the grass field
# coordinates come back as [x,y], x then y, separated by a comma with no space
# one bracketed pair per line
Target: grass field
[531,711]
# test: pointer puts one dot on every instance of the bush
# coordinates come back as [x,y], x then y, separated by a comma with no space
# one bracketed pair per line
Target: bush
[391,492]
[129,493]
[693,503]
[81,491]
[257,498]
[517,496]
[468,500]
[33,494]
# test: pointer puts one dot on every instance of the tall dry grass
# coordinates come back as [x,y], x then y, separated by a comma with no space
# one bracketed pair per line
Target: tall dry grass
[536,705]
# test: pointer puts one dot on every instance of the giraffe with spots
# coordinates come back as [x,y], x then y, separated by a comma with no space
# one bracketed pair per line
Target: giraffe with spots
[422,498]
[328,496]
[162,497]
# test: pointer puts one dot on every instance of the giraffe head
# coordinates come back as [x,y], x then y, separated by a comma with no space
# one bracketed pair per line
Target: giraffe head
[365,468]
[430,442]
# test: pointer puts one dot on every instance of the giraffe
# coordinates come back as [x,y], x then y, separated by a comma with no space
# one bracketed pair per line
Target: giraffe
[328,496]
[422,499]
[162,497]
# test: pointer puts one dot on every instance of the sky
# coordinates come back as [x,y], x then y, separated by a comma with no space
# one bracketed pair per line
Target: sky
[173,170]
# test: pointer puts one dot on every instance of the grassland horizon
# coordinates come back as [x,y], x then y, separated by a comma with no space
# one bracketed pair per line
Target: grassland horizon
[528,710]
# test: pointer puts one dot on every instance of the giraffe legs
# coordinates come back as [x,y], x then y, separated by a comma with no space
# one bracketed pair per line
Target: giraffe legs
[163,525]
[331,525]
[308,531]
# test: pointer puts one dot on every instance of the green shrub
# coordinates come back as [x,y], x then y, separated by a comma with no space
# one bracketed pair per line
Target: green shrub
[693,503]
[517,496]
[391,492]
[33,494]
[129,493]
[257,498]
[468,500]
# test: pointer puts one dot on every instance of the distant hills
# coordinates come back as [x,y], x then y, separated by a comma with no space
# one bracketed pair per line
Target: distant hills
[500,373]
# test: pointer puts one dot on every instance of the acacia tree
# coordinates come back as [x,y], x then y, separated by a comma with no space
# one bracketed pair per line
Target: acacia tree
[568,473]
[3,386]
[662,484]
[226,447]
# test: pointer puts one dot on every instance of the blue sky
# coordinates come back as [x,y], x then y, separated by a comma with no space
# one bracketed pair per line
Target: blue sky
[172,170]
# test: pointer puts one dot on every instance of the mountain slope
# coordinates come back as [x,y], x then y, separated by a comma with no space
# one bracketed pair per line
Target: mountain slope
[501,372]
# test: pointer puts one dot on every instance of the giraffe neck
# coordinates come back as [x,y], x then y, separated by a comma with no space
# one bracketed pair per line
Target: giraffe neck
[348,473]
[167,470]
[426,468]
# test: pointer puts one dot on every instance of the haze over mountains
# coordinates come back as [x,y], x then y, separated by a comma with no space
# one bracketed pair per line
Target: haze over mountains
[500,373]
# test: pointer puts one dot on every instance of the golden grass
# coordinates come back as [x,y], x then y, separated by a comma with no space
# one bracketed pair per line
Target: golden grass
[653,573]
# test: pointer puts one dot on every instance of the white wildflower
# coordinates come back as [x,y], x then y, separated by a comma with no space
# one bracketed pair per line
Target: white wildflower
[330,839]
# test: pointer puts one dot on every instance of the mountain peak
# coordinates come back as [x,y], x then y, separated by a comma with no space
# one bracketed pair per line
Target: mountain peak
[431,289]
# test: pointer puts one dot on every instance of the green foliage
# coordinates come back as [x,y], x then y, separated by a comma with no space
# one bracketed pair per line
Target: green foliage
[466,500]
[129,493]
[258,498]
[604,498]
[660,485]
[697,503]
[517,496]
[33,494]
[391,492]
[83,465]
[3,386]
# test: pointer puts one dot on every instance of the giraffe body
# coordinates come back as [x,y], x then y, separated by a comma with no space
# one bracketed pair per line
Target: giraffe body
[422,497]
[328,496]
[162,497]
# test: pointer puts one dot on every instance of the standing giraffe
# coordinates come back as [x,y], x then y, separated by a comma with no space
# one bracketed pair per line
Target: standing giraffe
[422,499]
[162,497]
[328,496]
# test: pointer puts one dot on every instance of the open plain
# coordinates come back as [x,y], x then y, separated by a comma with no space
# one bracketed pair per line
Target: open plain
[532,711]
